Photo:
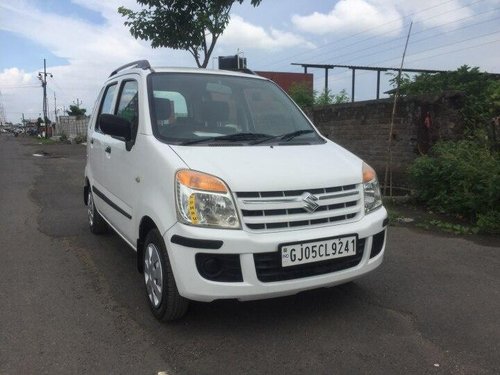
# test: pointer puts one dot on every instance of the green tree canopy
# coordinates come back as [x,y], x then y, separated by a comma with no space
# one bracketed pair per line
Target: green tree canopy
[306,98]
[75,110]
[194,25]
[326,97]
[482,91]
[302,94]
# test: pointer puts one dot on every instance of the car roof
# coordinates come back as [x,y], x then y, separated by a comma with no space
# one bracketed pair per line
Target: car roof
[161,69]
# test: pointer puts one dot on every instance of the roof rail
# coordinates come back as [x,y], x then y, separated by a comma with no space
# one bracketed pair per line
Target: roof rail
[143,64]
[247,71]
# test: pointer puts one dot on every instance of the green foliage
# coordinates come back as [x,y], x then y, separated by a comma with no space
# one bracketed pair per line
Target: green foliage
[326,98]
[302,94]
[489,222]
[482,92]
[63,137]
[193,25]
[80,139]
[75,110]
[341,97]
[460,178]
[453,228]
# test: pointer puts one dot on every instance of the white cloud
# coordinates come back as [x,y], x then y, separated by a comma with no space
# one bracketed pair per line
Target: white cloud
[242,34]
[349,16]
[16,77]
[435,13]
[92,52]
[382,17]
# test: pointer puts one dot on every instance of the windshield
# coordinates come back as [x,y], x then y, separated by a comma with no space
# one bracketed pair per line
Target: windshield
[206,109]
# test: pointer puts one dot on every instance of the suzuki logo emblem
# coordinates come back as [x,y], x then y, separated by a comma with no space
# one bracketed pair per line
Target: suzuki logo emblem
[310,204]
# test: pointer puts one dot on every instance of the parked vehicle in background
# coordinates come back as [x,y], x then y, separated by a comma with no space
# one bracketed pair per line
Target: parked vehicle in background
[225,189]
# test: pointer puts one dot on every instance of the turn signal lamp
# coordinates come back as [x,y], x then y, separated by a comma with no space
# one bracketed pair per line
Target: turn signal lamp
[371,189]
[204,200]
[200,181]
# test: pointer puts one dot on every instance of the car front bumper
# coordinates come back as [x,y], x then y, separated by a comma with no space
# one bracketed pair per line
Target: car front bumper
[192,285]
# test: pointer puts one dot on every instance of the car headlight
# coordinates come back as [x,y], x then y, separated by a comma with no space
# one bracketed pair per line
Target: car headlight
[204,200]
[371,188]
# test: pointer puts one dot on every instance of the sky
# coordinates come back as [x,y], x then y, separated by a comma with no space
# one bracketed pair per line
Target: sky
[84,40]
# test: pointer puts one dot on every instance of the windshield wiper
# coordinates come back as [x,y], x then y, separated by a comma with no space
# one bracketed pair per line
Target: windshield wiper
[229,138]
[285,137]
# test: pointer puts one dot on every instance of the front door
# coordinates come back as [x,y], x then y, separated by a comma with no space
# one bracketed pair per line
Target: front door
[122,164]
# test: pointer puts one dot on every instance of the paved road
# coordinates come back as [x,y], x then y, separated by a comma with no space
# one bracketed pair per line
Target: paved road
[72,302]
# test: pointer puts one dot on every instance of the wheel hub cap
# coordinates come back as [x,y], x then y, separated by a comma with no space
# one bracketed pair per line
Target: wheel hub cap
[153,274]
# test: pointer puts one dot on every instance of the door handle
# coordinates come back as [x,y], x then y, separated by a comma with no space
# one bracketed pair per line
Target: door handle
[108,149]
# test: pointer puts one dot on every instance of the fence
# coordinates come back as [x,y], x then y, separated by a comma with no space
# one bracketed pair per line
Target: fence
[71,126]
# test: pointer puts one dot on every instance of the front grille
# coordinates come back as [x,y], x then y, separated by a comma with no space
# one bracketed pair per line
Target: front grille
[275,210]
[268,265]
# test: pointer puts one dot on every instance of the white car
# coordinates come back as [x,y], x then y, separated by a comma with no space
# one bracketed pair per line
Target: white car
[225,189]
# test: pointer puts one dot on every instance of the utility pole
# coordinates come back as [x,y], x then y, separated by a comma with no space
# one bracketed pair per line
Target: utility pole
[43,78]
[55,109]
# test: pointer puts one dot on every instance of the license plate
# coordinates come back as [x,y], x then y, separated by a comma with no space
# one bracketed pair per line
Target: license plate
[316,251]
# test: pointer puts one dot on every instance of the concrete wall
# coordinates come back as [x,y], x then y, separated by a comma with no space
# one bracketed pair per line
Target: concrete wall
[71,126]
[363,128]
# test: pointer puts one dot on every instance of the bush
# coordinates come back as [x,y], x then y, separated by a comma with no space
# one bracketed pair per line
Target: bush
[460,178]
[63,137]
[80,139]
[302,94]
[489,222]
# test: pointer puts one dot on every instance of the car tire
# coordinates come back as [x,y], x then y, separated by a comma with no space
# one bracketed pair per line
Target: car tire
[97,224]
[161,290]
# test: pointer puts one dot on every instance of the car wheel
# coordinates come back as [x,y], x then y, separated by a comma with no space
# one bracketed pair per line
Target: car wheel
[96,222]
[164,299]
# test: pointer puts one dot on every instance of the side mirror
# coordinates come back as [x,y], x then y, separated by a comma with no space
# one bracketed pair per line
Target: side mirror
[115,126]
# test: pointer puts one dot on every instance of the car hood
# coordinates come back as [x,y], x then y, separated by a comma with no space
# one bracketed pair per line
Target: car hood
[277,167]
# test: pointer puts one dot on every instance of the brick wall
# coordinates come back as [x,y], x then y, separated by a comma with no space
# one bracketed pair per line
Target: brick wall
[363,128]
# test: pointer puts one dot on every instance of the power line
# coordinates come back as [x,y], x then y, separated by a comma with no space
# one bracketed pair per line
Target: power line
[457,50]
[418,42]
[374,28]
[420,32]
[20,87]
[434,55]
[442,46]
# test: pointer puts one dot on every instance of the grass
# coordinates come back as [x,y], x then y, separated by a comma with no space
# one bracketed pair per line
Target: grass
[44,141]
[399,213]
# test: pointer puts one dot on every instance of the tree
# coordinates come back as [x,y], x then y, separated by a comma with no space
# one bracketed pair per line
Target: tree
[75,110]
[302,94]
[326,97]
[307,98]
[482,92]
[194,26]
